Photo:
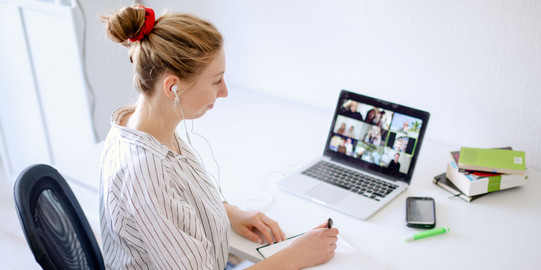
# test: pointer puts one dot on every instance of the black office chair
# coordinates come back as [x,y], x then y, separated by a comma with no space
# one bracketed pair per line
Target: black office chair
[54,224]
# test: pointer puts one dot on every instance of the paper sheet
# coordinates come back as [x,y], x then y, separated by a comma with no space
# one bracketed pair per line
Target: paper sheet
[346,256]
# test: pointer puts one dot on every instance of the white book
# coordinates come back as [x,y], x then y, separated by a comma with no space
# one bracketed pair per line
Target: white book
[472,185]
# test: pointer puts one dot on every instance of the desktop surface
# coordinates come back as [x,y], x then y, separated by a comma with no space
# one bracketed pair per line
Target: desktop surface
[257,138]
[492,232]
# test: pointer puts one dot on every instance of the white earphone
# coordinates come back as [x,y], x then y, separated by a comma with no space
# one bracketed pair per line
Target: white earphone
[174,88]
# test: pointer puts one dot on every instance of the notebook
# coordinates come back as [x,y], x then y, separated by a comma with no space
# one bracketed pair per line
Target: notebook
[345,257]
[368,159]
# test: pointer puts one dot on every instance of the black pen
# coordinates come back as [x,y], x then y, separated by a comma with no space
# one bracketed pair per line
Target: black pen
[329,223]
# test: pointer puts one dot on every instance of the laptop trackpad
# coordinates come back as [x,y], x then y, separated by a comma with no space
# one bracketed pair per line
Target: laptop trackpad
[326,194]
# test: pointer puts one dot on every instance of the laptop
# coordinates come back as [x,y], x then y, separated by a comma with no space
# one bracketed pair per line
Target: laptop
[369,157]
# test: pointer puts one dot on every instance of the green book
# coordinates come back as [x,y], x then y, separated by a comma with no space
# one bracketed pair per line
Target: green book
[492,160]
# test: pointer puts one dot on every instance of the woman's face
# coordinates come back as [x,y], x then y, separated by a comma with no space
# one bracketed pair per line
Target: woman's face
[197,99]
[370,115]
[353,106]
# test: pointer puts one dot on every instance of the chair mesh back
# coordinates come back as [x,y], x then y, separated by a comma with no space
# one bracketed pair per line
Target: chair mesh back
[53,221]
[58,233]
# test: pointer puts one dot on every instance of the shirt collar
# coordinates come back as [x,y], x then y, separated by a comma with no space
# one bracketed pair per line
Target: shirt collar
[137,137]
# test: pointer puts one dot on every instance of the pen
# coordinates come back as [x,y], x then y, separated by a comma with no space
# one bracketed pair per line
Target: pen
[426,234]
[329,223]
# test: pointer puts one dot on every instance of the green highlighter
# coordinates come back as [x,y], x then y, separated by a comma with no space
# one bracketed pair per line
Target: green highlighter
[424,234]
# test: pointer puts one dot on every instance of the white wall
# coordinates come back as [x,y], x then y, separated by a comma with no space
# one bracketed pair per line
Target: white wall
[44,112]
[474,65]
[107,63]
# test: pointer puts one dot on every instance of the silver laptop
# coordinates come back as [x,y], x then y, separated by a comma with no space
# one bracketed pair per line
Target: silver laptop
[369,156]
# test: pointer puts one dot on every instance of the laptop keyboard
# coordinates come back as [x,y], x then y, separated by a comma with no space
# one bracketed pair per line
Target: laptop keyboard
[353,181]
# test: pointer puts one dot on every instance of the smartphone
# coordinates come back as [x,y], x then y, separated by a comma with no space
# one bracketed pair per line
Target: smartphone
[420,212]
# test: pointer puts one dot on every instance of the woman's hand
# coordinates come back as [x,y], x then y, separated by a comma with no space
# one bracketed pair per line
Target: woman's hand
[253,224]
[313,247]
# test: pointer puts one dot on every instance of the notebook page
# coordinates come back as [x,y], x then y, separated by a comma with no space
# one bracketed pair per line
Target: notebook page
[346,256]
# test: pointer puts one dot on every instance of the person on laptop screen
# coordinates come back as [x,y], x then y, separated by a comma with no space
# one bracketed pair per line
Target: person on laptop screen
[158,208]
[394,165]
[349,108]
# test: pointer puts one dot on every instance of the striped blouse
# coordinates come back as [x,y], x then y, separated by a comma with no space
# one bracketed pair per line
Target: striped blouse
[158,209]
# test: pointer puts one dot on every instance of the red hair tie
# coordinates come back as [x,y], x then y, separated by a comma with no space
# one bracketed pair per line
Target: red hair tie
[147,26]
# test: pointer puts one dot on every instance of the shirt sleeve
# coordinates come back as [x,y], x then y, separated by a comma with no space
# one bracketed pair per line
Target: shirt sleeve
[168,226]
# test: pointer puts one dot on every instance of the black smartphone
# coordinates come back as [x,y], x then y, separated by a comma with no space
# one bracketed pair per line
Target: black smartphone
[420,212]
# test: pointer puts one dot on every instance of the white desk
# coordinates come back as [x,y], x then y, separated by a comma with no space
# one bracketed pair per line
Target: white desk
[254,135]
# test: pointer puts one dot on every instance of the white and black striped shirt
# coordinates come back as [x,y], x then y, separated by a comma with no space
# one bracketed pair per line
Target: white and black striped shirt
[158,209]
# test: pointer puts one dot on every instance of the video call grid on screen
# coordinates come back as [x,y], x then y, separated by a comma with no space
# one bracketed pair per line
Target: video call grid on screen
[377,136]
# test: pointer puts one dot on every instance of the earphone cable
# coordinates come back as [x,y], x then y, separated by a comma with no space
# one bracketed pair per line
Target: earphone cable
[216,181]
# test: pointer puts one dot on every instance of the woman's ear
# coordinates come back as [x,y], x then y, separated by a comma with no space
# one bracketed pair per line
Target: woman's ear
[171,86]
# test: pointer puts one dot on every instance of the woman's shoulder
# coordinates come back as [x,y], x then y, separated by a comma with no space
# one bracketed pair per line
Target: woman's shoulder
[134,143]
[131,157]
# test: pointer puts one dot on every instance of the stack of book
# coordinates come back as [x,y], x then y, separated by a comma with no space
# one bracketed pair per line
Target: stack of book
[474,172]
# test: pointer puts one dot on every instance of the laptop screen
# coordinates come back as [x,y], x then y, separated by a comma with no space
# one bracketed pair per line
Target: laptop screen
[381,137]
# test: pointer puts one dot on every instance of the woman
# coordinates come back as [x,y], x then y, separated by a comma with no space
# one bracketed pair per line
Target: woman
[342,129]
[158,208]
[370,115]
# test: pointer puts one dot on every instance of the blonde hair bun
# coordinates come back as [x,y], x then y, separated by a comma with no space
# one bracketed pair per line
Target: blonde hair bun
[180,44]
[125,23]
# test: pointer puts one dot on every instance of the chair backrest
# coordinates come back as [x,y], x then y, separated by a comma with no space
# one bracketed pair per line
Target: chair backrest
[54,223]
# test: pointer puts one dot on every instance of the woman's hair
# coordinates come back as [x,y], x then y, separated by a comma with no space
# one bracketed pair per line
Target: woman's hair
[179,44]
